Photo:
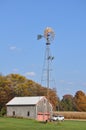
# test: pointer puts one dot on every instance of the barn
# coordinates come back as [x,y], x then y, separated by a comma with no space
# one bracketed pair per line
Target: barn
[36,107]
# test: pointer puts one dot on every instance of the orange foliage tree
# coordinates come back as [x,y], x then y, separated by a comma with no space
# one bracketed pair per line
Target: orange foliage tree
[80,101]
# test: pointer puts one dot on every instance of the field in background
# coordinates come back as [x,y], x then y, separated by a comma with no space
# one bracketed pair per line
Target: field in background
[26,124]
[72,115]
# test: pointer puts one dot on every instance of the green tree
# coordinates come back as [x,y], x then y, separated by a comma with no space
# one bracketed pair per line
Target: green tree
[66,103]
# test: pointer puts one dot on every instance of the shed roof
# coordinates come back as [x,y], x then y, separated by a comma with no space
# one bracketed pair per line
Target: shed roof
[25,100]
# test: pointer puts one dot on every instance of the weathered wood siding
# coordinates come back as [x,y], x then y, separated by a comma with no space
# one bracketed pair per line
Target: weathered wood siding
[44,106]
[22,111]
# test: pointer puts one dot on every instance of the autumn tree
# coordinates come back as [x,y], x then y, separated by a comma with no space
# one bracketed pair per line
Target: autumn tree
[6,92]
[80,101]
[53,98]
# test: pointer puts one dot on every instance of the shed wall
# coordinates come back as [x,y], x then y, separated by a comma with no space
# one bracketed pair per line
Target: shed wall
[44,110]
[22,111]
[44,106]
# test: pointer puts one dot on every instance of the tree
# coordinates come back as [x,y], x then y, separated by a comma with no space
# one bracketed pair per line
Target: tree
[6,92]
[66,103]
[53,98]
[80,101]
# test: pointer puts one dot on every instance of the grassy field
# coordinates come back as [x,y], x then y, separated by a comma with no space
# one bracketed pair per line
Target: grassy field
[26,124]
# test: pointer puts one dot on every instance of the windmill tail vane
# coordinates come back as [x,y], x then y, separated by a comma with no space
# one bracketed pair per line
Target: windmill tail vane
[39,37]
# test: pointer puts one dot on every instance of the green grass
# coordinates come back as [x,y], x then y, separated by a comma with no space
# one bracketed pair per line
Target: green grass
[26,124]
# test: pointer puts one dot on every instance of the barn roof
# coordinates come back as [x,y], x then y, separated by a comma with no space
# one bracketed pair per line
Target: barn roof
[25,100]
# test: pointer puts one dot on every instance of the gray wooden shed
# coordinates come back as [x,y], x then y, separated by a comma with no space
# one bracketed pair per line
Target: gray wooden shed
[36,107]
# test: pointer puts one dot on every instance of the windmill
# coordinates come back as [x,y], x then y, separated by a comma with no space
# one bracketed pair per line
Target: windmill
[46,72]
[48,58]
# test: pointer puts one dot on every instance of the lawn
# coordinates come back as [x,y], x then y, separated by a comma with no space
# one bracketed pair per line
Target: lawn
[26,124]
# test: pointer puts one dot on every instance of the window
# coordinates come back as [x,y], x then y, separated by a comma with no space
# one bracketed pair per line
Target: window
[44,101]
[28,113]
[13,113]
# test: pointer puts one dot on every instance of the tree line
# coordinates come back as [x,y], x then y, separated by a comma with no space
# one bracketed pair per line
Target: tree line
[73,103]
[17,85]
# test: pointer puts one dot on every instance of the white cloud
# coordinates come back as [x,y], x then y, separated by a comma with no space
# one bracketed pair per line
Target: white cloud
[12,48]
[30,74]
[84,84]
[15,70]
[62,81]
[70,83]
[66,82]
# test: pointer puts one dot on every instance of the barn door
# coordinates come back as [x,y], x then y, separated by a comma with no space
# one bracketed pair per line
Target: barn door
[43,116]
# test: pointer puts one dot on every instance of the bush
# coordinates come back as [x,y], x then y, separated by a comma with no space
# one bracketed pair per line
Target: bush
[3,111]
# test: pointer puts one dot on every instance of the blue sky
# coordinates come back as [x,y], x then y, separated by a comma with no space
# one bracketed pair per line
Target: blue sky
[22,53]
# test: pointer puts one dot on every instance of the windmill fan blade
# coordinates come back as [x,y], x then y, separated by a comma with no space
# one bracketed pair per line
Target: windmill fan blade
[39,37]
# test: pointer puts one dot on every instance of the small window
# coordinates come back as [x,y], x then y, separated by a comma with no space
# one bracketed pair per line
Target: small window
[28,113]
[44,101]
[13,113]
